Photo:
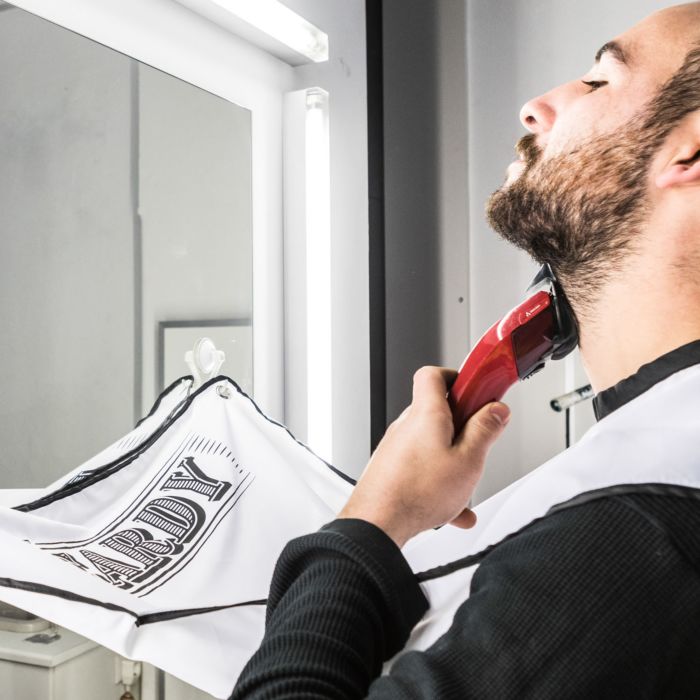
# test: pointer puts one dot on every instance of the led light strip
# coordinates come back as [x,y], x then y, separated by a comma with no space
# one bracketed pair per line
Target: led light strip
[269,24]
[318,275]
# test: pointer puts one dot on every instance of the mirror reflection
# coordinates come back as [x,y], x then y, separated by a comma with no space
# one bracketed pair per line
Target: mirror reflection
[125,235]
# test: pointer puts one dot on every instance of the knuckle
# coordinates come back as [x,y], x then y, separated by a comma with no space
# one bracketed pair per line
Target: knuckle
[425,371]
[486,424]
[393,426]
[418,374]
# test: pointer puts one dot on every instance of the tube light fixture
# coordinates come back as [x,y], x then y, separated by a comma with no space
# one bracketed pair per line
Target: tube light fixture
[318,275]
[268,23]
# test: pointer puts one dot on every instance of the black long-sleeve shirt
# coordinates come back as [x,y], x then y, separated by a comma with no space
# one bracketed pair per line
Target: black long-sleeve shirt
[598,600]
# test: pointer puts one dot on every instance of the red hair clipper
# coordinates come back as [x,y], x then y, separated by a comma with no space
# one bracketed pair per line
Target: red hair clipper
[542,327]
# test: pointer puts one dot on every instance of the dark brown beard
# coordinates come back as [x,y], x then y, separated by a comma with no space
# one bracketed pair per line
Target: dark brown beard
[580,212]
[583,211]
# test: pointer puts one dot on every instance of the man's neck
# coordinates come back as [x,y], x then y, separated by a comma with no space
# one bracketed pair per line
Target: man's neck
[641,314]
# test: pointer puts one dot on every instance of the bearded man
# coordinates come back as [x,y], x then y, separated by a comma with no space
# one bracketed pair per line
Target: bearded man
[589,586]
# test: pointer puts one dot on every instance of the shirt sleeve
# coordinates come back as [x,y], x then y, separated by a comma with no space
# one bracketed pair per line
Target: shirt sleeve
[342,600]
[592,601]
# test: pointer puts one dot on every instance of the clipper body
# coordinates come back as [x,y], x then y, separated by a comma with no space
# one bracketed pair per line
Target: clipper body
[516,347]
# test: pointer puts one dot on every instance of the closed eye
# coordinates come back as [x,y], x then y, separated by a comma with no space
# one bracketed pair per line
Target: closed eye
[594,84]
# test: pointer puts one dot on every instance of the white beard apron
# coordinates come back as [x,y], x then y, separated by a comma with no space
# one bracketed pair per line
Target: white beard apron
[162,547]
[652,440]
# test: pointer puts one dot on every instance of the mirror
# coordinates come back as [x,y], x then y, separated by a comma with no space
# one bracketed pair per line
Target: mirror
[125,235]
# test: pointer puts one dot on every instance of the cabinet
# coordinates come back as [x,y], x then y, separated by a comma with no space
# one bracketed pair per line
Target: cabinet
[68,667]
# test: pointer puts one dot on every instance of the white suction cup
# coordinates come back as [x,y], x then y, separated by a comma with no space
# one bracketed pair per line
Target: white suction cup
[204,361]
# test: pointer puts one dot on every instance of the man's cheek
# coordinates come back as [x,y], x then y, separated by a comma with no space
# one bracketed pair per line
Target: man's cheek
[576,128]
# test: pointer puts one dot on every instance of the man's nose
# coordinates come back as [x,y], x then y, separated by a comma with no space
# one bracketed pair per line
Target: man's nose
[538,115]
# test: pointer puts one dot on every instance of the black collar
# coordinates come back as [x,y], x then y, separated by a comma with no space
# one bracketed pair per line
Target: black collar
[645,378]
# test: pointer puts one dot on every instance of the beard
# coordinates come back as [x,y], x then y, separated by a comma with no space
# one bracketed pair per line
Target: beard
[581,211]
[584,212]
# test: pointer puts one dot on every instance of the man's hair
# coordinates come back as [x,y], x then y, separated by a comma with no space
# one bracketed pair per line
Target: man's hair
[677,98]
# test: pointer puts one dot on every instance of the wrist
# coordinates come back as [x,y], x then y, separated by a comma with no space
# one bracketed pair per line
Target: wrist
[394,528]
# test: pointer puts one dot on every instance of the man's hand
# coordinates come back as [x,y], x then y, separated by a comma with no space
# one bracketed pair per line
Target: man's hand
[421,475]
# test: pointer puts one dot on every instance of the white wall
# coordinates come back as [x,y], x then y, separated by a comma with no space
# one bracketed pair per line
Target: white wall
[518,49]
[66,245]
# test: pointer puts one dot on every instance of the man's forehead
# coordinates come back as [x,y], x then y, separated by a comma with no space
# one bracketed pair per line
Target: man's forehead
[658,44]
[670,31]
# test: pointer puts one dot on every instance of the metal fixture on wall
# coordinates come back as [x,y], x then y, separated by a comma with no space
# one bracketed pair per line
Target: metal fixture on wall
[567,401]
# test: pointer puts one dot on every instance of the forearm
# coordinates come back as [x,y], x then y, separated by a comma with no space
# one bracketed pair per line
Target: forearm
[342,601]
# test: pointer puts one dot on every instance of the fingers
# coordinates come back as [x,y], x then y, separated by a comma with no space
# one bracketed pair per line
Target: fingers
[430,386]
[482,430]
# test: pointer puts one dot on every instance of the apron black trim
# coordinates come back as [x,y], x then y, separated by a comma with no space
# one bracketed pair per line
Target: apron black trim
[163,394]
[176,614]
[100,473]
[652,489]
[645,378]
[59,593]
[465,562]
[140,620]
[347,478]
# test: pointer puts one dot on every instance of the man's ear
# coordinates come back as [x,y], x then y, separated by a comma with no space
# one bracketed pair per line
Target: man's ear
[683,166]
[680,173]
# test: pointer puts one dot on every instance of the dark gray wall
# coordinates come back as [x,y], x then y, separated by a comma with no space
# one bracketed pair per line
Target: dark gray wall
[425,189]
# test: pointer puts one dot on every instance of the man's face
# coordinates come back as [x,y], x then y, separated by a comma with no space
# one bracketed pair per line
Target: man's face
[578,195]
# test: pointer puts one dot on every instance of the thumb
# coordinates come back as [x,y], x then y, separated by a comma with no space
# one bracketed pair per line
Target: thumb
[465,520]
[482,430]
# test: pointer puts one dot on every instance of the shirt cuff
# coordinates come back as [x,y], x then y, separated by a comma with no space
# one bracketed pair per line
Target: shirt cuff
[407,599]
